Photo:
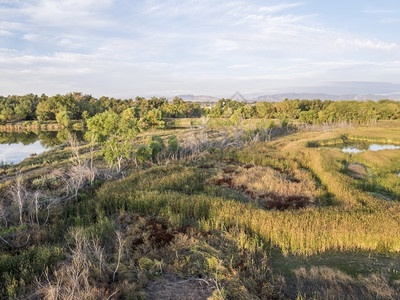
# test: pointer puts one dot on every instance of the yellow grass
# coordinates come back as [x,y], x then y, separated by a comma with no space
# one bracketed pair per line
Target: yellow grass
[264,180]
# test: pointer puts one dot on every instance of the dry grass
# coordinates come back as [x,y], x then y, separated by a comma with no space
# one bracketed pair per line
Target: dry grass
[171,287]
[380,159]
[357,171]
[264,180]
[276,189]
[327,283]
[194,229]
[76,278]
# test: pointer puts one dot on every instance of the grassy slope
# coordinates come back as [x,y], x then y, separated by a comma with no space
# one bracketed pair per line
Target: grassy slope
[174,219]
[347,230]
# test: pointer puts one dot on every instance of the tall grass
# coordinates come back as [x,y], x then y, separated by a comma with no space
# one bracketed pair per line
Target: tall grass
[327,283]
[303,232]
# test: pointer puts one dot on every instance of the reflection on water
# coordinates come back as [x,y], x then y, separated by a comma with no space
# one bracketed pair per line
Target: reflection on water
[16,146]
[372,147]
[361,146]
[14,153]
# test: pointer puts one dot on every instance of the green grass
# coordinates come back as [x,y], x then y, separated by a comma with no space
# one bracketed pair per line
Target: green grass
[174,218]
[167,192]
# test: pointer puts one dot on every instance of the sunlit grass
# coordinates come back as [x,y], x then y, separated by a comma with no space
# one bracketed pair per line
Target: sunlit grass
[305,231]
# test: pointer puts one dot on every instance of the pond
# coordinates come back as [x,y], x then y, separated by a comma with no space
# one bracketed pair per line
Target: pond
[370,147]
[15,153]
[360,146]
[354,147]
[16,146]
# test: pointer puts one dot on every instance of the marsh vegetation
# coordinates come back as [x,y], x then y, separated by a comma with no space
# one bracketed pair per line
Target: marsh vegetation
[211,208]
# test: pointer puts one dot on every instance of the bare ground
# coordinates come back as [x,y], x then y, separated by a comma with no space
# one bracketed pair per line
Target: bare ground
[170,286]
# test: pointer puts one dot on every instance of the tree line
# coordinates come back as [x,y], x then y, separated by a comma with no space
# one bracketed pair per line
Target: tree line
[309,111]
[76,106]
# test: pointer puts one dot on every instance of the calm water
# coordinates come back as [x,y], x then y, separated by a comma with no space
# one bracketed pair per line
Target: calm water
[16,146]
[15,153]
[359,146]
[371,147]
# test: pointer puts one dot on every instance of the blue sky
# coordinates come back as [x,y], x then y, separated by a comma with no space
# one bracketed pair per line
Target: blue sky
[126,48]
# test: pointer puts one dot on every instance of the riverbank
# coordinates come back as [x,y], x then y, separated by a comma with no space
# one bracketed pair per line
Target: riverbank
[36,126]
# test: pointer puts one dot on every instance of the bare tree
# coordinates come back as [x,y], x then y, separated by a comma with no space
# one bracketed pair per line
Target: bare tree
[98,252]
[76,177]
[204,122]
[74,145]
[93,171]
[120,244]
[18,195]
[73,278]
[3,213]
[1,238]
[34,206]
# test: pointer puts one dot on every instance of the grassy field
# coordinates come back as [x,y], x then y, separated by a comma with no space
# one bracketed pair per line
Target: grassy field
[253,214]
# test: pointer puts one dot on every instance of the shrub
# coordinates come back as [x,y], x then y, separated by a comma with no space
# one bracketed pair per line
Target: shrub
[143,153]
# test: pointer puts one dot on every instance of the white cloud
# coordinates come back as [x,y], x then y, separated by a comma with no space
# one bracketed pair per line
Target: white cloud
[242,66]
[278,8]
[366,43]
[64,13]
[128,48]
[5,32]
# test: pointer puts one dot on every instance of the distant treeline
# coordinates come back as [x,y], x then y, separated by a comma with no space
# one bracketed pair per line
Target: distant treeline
[76,106]
[309,111]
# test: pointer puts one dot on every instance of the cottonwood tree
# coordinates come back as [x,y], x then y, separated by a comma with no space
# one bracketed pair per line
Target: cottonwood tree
[115,134]
[64,118]
[153,118]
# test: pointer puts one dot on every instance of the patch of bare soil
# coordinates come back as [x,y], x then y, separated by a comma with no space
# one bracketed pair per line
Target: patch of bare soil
[357,171]
[171,287]
[279,202]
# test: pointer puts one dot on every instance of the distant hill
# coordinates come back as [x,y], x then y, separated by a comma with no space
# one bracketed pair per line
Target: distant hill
[301,96]
[310,96]
[198,98]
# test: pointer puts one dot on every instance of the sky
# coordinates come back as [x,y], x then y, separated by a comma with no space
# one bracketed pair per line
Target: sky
[129,48]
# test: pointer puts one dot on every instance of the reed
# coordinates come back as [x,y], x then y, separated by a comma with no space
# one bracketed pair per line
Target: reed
[303,232]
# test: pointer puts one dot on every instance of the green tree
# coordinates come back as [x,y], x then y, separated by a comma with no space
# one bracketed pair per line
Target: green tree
[156,144]
[236,117]
[64,118]
[173,146]
[309,117]
[115,133]
[143,153]
[265,110]
[154,118]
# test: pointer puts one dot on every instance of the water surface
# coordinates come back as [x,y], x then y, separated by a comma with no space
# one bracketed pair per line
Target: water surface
[16,146]
[15,153]
[361,146]
[371,147]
